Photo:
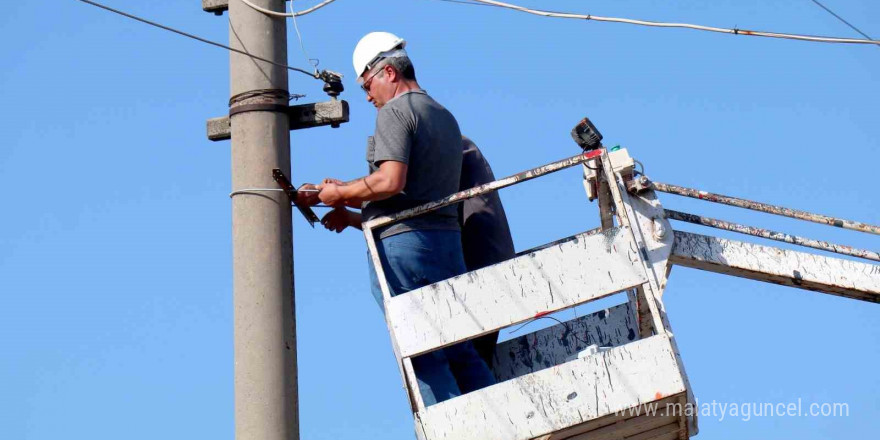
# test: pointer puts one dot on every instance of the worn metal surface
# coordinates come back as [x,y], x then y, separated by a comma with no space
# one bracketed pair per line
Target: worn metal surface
[772,235]
[557,398]
[589,232]
[513,291]
[627,217]
[649,215]
[317,114]
[836,276]
[657,427]
[555,345]
[643,312]
[293,195]
[483,189]
[763,207]
[638,212]
[606,202]
[266,402]
[633,424]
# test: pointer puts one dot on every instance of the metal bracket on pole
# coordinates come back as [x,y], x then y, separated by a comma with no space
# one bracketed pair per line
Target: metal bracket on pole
[292,193]
[318,114]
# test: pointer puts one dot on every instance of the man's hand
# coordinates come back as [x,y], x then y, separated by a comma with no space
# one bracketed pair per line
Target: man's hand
[307,195]
[338,219]
[331,194]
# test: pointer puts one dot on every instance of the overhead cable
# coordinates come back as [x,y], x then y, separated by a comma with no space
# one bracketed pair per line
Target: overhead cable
[841,19]
[253,190]
[467,3]
[213,43]
[313,61]
[734,31]
[291,13]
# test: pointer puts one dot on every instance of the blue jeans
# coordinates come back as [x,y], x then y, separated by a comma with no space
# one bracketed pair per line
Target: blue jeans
[416,259]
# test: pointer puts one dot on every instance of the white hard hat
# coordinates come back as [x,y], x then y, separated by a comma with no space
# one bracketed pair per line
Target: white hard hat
[373,46]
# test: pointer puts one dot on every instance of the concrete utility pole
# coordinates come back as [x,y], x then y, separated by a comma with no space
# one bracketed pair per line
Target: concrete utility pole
[259,123]
[266,403]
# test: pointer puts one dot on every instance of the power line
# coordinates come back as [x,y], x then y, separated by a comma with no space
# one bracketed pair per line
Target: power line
[734,31]
[841,19]
[313,61]
[467,3]
[473,3]
[197,38]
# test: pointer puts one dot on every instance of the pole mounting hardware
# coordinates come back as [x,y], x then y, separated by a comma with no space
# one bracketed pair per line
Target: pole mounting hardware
[292,194]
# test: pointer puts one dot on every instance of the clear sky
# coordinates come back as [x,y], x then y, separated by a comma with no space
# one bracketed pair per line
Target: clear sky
[115,249]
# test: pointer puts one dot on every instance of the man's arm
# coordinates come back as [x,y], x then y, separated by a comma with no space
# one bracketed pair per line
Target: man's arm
[388,180]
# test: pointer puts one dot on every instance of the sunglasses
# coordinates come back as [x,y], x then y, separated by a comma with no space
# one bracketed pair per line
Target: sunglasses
[365,86]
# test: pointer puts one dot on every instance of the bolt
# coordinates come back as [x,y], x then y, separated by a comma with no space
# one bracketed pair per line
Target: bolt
[643,180]
[660,229]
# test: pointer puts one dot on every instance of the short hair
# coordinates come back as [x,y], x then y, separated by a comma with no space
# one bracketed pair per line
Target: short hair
[403,65]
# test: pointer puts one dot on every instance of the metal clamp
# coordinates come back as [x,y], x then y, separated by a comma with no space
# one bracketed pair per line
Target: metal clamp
[292,193]
[279,108]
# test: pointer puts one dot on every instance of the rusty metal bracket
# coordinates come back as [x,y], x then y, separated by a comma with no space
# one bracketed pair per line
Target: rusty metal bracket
[635,186]
[292,194]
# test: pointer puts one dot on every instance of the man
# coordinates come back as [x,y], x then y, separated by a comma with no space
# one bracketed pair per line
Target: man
[485,234]
[414,157]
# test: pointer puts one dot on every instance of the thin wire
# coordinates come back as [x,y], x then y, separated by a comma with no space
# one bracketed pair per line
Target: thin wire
[301,44]
[565,324]
[642,172]
[734,31]
[252,190]
[291,14]
[213,43]
[841,19]
[467,3]
[472,3]
[256,190]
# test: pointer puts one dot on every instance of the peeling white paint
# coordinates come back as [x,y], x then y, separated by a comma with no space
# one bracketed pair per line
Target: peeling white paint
[836,276]
[560,397]
[572,272]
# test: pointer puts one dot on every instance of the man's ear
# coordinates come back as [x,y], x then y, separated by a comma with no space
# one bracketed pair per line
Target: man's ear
[391,73]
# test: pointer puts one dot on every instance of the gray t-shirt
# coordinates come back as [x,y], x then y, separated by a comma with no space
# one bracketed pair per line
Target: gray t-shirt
[414,129]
